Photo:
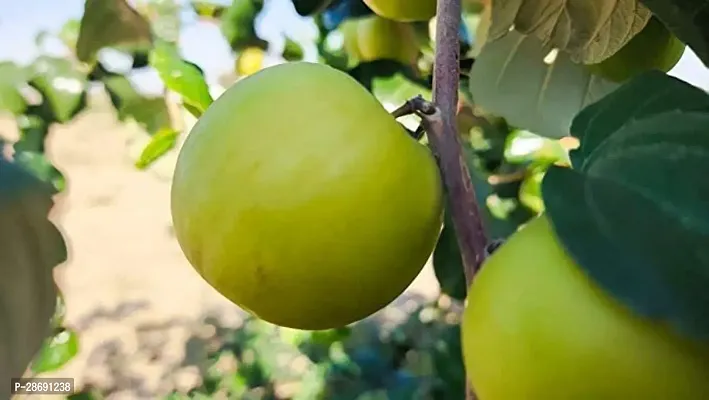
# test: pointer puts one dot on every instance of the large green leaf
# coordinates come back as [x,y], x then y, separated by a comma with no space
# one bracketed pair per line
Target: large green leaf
[181,77]
[110,23]
[589,31]
[149,112]
[516,78]
[30,247]
[62,85]
[688,20]
[633,213]
[12,78]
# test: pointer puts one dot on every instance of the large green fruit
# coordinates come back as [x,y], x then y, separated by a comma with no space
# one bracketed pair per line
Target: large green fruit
[375,38]
[404,10]
[298,197]
[536,327]
[655,47]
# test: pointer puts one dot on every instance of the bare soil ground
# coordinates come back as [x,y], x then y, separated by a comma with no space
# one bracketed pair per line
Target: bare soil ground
[137,305]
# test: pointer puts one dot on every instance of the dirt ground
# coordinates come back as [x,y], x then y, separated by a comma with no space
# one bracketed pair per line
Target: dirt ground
[137,305]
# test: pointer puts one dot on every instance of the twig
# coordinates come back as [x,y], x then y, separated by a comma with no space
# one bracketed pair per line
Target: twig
[439,121]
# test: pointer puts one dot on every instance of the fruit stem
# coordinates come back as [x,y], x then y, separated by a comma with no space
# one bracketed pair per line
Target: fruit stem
[445,142]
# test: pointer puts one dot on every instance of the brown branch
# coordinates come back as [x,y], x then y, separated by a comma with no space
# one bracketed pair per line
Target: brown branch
[439,121]
[445,141]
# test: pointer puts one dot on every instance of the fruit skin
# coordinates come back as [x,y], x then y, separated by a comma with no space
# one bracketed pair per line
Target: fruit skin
[535,327]
[404,10]
[298,197]
[249,61]
[375,38]
[654,47]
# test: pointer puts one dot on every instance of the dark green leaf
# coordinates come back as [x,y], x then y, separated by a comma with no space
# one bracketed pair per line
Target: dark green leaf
[30,247]
[688,20]
[149,112]
[634,212]
[33,132]
[162,142]
[238,24]
[42,168]
[12,79]
[307,8]
[61,84]
[110,23]
[292,51]
[631,101]
[181,77]
[56,352]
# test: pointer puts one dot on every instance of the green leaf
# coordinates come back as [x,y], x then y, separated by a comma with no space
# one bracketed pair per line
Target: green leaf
[56,352]
[633,213]
[110,23]
[12,78]
[292,50]
[62,85]
[588,32]
[33,131]
[511,78]
[631,101]
[181,77]
[30,247]
[687,19]
[238,24]
[523,147]
[162,142]
[149,112]
[42,168]
[69,34]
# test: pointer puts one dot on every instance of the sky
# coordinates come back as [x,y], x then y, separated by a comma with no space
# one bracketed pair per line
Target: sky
[201,42]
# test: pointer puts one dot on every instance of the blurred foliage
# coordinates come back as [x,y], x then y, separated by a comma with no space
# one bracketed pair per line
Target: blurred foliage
[417,358]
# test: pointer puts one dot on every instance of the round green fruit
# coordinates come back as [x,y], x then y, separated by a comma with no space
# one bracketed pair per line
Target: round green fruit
[301,199]
[536,327]
[375,38]
[654,48]
[404,10]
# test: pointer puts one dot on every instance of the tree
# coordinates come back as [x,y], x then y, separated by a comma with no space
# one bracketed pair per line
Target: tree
[628,204]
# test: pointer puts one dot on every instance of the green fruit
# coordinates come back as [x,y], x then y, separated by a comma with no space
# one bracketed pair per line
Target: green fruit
[404,10]
[301,199]
[375,38]
[655,47]
[536,327]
